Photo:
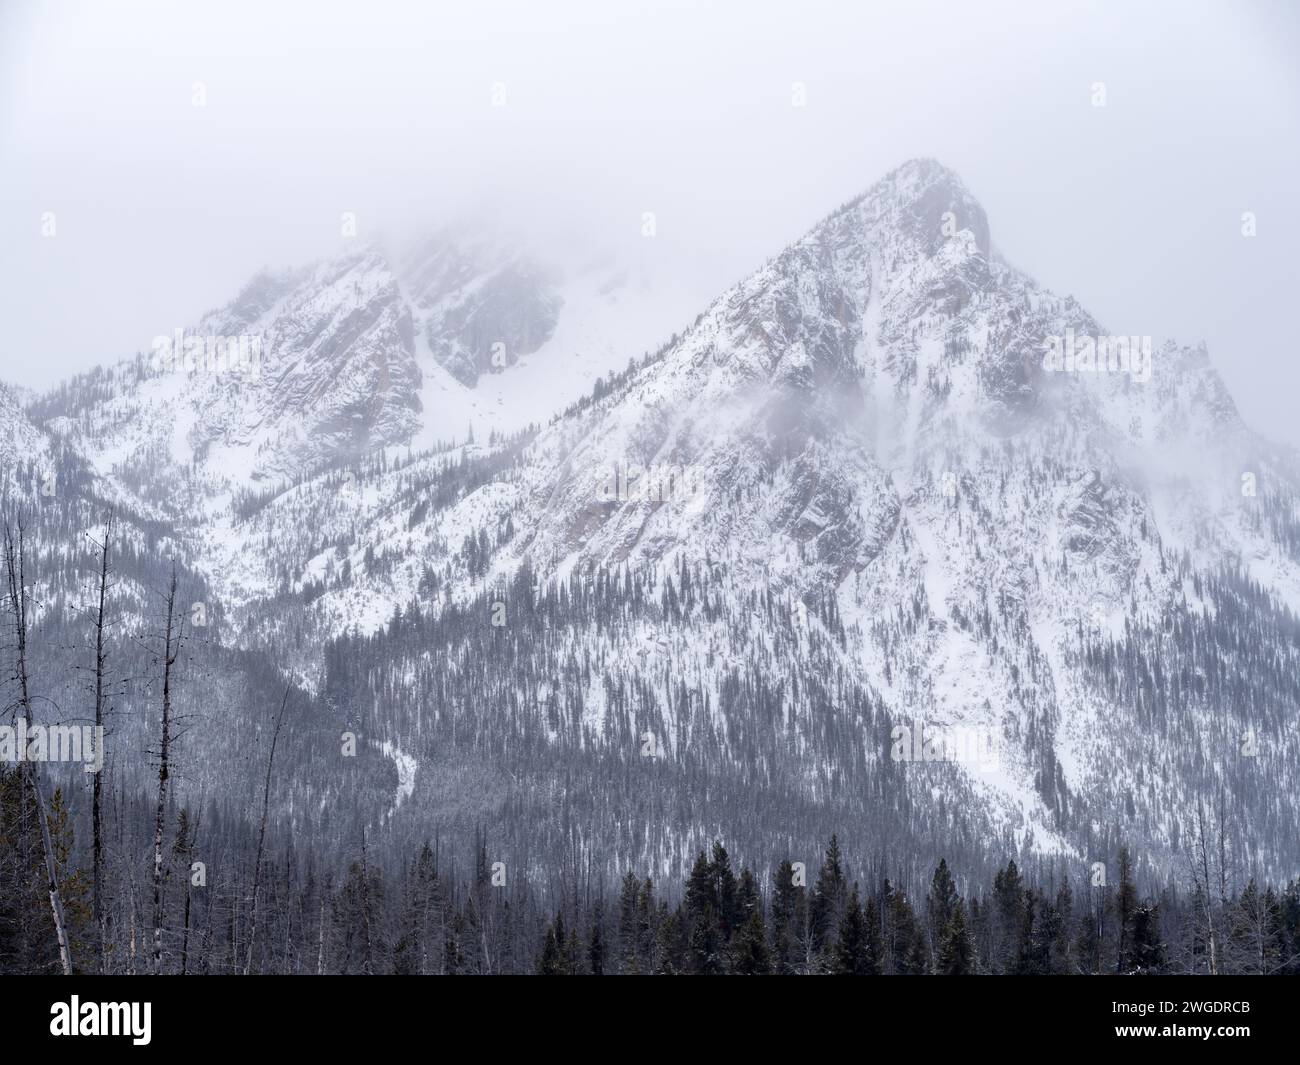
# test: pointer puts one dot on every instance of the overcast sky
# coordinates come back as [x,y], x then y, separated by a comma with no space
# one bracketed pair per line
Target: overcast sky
[162,208]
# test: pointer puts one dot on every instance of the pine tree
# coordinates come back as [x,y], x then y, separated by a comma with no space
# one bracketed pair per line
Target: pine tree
[1009,908]
[1125,906]
[1146,952]
[552,960]
[906,941]
[646,926]
[1061,958]
[851,958]
[572,953]
[827,902]
[596,943]
[78,908]
[940,903]
[670,948]
[749,954]
[705,942]
[873,939]
[724,891]
[705,950]
[628,932]
[956,952]
[789,906]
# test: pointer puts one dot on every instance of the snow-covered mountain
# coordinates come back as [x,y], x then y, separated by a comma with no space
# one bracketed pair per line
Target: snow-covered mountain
[19,439]
[854,496]
[306,369]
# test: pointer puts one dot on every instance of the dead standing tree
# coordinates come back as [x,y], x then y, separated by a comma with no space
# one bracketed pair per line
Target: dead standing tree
[261,835]
[173,638]
[1204,855]
[97,800]
[16,571]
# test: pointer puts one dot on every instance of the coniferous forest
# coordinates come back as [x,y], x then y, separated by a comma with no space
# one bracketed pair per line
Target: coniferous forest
[437,913]
[135,870]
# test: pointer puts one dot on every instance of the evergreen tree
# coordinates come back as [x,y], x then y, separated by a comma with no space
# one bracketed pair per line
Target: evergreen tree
[749,954]
[724,891]
[1061,958]
[873,939]
[647,921]
[596,943]
[1125,907]
[851,952]
[956,952]
[1009,909]
[789,908]
[940,903]
[629,939]
[705,936]
[552,961]
[906,942]
[670,945]
[1146,952]
[827,902]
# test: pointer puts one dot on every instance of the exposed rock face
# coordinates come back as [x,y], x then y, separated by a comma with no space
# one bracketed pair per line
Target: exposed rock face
[481,306]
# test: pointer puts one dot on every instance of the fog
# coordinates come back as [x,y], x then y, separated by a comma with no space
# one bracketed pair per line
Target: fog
[179,148]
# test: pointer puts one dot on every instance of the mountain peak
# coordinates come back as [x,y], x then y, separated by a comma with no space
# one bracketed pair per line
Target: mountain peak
[930,202]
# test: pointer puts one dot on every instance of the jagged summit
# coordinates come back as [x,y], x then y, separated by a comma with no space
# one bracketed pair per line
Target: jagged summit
[915,197]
